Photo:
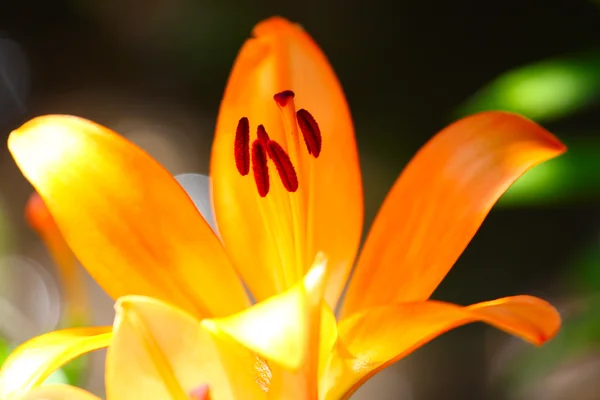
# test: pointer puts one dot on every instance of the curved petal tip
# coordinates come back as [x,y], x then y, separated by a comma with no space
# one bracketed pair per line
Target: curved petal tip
[551,142]
[273,25]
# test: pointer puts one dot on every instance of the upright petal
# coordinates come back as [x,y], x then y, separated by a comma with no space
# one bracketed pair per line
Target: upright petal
[375,338]
[58,392]
[32,362]
[269,237]
[438,203]
[125,217]
[161,352]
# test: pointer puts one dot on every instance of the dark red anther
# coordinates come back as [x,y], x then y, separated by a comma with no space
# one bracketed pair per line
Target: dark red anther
[284,165]
[282,98]
[260,168]
[262,135]
[242,146]
[310,132]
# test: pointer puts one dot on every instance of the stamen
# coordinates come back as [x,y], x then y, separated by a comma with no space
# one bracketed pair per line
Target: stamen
[280,158]
[262,134]
[260,168]
[310,131]
[264,147]
[242,146]
[282,98]
[285,102]
[284,165]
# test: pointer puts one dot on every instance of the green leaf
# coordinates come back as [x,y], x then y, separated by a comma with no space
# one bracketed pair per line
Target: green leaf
[543,91]
[583,276]
[5,350]
[75,371]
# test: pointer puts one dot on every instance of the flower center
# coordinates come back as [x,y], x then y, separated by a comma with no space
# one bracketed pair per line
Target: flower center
[263,148]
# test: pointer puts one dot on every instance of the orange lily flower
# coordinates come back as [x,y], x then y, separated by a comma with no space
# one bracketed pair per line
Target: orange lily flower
[289,215]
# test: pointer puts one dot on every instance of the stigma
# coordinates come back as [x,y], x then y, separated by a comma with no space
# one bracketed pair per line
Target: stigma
[263,148]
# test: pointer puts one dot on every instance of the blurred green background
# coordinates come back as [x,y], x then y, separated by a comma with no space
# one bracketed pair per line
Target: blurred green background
[155,71]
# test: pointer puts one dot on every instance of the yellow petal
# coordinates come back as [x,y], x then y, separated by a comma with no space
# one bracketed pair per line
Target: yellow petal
[373,339]
[58,392]
[32,362]
[328,337]
[124,216]
[438,203]
[39,218]
[272,240]
[161,352]
[281,328]
[302,384]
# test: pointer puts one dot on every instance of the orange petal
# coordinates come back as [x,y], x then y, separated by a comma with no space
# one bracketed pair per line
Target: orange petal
[39,218]
[58,392]
[32,362]
[373,339]
[272,240]
[438,203]
[161,352]
[125,217]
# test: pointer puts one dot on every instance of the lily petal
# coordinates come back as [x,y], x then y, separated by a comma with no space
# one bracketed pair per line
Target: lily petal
[438,203]
[32,362]
[39,218]
[280,328]
[301,384]
[160,352]
[197,186]
[281,56]
[285,330]
[371,340]
[125,217]
[58,392]
[328,337]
